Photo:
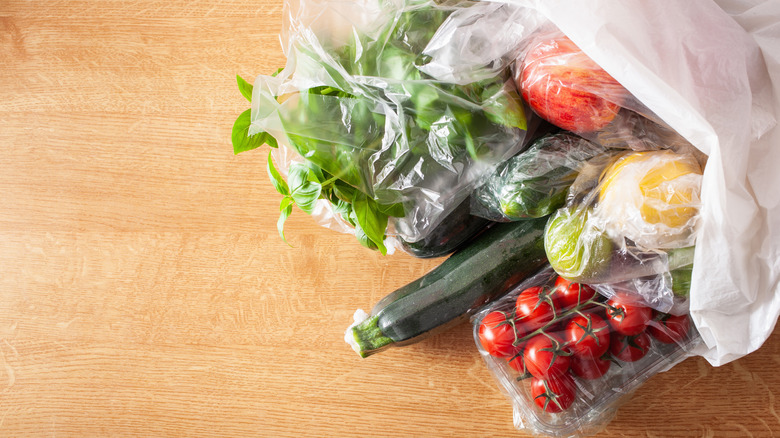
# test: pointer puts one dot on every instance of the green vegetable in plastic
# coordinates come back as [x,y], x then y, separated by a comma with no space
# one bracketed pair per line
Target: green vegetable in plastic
[576,250]
[535,182]
[345,134]
[681,280]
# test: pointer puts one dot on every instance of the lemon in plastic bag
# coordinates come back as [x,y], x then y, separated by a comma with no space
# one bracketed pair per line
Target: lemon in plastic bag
[651,197]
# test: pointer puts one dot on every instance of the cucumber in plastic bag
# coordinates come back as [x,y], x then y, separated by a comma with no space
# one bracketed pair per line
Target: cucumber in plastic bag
[535,182]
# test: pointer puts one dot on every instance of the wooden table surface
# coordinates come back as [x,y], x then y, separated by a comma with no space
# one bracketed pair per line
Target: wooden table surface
[144,290]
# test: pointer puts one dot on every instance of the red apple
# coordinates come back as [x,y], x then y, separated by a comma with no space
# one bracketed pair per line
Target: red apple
[566,88]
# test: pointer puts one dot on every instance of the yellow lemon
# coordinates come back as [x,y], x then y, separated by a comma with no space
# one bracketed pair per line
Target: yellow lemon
[651,198]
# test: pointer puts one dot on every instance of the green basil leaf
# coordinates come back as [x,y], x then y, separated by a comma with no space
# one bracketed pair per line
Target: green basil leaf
[427,105]
[304,191]
[470,145]
[316,174]
[242,141]
[327,193]
[343,191]
[394,210]
[286,202]
[270,140]
[285,213]
[306,196]
[245,88]
[364,239]
[345,210]
[371,220]
[297,175]
[279,183]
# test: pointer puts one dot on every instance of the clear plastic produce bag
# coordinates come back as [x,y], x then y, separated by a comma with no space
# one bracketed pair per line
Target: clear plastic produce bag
[535,182]
[629,224]
[391,149]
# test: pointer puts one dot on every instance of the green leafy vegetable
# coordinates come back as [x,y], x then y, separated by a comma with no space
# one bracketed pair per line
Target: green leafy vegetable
[382,123]
[242,141]
[245,88]
[286,208]
[279,183]
[306,189]
[372,221]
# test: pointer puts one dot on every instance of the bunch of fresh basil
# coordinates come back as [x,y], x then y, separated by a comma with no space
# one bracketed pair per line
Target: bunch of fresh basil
[383,129]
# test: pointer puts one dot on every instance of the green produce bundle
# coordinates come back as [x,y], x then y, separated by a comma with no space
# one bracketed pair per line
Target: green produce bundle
[535,182]
[389,150]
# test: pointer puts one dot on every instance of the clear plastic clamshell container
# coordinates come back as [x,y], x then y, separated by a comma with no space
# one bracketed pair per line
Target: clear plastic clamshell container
[568,357]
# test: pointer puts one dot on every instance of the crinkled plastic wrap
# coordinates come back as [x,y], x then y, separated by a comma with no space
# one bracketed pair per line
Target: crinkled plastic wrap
[353,101]
[666,292]
[565,87]
[629,223]
[535,182]
[567,357]
[631,215]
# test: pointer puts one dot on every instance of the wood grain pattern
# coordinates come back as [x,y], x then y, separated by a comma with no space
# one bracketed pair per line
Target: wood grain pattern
[144,290]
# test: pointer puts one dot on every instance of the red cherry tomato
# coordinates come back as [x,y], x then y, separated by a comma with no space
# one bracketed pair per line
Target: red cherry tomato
[534,308]
[626,315]
[589,367]
[545,356]
[555,394]
[517,362]
[497,334]
[670,329]
[587,335]
[569,295]
[630,348]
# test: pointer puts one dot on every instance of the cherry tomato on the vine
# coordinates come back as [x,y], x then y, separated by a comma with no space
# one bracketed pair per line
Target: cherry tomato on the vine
[497,334]
[587,335]
[626,315]
[534,308]
[545,356]
[568,294]
[589,367]
[630,348]
[517,362]
[555,394]
[670,329]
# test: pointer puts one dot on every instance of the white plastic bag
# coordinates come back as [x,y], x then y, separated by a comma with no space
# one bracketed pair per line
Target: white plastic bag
[711,71]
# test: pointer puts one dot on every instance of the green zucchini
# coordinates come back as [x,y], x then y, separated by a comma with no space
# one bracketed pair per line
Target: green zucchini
[454,231]
[490,266]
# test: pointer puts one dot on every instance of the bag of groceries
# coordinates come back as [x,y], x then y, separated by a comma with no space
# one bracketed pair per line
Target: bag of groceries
[675,225]
[637,141]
